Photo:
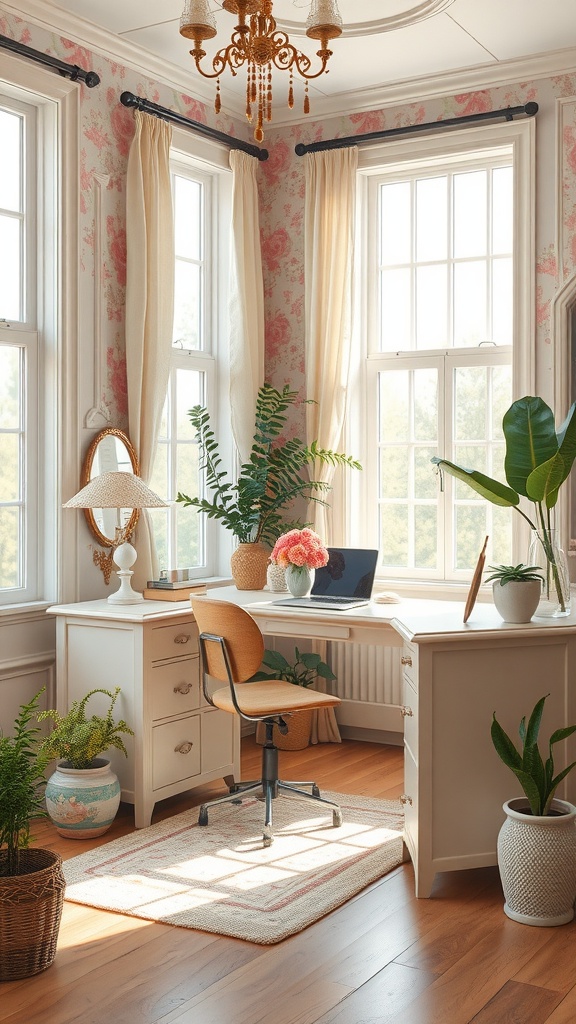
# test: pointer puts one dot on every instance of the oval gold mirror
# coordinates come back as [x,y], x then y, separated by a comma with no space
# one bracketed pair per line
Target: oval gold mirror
[110,451]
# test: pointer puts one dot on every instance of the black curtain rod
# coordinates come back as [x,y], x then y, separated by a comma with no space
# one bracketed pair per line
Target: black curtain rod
[508,113]
[72,71]
[130,100]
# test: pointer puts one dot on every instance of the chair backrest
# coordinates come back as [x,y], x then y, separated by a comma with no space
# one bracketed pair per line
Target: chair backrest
[244,641]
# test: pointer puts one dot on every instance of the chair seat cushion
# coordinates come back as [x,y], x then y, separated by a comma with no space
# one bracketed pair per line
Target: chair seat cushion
[272,697]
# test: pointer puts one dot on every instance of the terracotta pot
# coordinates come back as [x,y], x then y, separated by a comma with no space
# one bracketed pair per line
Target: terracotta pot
[249,564]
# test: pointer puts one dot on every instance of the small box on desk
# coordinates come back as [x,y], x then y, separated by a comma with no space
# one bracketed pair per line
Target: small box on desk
[169,594]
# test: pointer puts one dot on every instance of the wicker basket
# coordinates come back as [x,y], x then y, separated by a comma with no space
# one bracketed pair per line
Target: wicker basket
[298,735]
[30,913]
[248,564]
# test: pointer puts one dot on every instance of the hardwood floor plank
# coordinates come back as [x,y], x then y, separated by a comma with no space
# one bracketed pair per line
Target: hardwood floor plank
[518,1002]
[565,1012]
[553,966]
[385,995]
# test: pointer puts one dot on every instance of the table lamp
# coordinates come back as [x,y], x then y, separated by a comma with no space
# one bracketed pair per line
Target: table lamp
[119,490]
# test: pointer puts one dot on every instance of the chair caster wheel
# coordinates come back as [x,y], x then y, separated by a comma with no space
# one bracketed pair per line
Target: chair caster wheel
[203,816]
[267,839]
[315,790]
[336,818]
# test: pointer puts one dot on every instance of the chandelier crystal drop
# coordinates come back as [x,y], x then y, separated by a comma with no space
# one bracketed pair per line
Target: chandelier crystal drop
[259,45]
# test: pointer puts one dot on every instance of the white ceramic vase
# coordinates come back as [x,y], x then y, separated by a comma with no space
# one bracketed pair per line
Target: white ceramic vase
[517,600]
[537,863]
[82,802]
[299,580]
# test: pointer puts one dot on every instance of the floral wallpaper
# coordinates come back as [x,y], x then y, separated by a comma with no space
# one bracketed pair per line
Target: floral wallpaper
[106,133]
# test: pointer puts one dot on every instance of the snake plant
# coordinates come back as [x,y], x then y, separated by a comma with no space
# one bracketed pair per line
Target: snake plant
[254,508]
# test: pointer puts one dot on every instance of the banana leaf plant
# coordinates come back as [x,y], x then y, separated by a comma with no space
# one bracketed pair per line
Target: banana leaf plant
[257,506]
[538,460]
[535,776]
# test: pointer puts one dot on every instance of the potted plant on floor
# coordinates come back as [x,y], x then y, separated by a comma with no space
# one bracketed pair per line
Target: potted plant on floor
[538,461]
[516,590]
[537,842]
[302,671]
[256,508]
[83,794]
[31,879]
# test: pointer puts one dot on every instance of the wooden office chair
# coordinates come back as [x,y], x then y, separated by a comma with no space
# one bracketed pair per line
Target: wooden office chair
[231,649]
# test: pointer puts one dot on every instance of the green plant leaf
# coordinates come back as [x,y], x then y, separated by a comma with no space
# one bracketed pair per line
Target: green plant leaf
[504,746]
[492,490]
[531,440]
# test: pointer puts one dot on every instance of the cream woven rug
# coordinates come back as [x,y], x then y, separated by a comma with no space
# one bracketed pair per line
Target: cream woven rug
[220,879]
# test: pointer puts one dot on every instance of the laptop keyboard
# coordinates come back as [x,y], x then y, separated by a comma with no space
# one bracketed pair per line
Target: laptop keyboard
[328,598]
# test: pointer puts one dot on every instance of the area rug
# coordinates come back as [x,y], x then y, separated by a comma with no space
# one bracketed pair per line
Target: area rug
[220,878]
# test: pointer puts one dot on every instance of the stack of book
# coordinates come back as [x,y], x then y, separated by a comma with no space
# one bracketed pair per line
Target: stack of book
[173,590]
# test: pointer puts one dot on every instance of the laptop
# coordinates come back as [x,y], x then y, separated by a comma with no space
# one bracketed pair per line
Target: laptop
[345,582]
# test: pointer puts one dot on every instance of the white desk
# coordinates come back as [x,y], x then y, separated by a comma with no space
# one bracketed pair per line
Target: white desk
[455,676]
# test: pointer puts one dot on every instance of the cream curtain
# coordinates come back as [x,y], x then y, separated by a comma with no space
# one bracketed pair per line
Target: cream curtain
[149,302]
[246,302]
[329,233]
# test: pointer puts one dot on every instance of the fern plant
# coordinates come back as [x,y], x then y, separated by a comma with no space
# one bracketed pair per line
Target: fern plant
[22,780]
[255,507]
[77,739]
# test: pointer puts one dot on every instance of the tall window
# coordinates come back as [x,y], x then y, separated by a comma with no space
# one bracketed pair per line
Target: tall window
[441,298]
[199,196]
[19,357]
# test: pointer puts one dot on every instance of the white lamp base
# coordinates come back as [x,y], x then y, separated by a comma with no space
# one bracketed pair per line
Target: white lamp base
[125,556]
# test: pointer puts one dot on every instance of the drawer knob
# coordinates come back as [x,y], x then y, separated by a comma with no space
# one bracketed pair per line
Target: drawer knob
[405,659]
[183,688]
[406,712]
[183,748]
[182,638]
[405,799]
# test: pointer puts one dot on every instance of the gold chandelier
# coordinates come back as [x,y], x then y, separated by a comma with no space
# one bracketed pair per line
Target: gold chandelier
[258,44]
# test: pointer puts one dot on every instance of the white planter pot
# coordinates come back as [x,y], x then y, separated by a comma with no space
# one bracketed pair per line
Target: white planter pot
[537,863]
[517,600]
[82,802]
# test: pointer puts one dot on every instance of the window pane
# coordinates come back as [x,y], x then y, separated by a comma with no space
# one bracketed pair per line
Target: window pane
[431,221]
[425,536]
[394,472]
[11,163]
[10,410]
[395,311]
[431,309]
[426,405]
[159,518]
[394,536]
[470,304]
[394,406]
[425,482]
[187,305]
[9,548]
[502,210]
[470,533]
[188,551]
[395,223]
[470,224]
[188,218]
[470,403]
[10,260]
[501,392]
[188,394]
[502,284]
[9,467]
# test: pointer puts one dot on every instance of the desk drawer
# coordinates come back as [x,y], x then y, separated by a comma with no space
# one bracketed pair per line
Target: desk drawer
[409,660]
[175,688]
[175,641]
[175,751]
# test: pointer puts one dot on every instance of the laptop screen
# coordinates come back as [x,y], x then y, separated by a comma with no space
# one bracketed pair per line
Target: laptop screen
[349,573]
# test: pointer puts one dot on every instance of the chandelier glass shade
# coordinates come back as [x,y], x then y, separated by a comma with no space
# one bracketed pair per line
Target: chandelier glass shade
[259,45]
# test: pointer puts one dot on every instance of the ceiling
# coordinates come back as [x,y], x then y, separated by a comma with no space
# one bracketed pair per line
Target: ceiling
[384,43]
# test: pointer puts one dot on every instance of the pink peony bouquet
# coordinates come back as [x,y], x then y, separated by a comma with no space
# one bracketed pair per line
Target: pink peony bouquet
[300,548]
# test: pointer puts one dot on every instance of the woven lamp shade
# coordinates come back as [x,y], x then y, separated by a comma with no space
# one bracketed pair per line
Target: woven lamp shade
[116,490]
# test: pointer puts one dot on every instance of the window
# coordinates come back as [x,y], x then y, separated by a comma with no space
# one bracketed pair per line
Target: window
[19,356]
[445,246]
[183,538]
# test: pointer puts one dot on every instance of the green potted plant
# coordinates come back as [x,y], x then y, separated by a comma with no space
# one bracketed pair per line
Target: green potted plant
[83,794]
[537,842]
[538,461]
[256,507]
[31,879]
[516,590]
[302,671]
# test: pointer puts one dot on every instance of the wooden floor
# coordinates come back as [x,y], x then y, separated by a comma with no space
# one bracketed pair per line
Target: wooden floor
[382,957]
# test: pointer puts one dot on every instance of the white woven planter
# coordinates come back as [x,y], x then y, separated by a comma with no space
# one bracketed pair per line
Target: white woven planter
[537,862]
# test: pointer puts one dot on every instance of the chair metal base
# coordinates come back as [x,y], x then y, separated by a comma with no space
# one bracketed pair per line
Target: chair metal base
[268,789]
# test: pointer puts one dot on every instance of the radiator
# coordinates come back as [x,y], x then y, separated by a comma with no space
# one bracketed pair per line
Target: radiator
[369,684]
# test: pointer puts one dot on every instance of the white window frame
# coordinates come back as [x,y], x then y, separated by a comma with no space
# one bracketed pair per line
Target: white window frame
[360,503]
[210,162]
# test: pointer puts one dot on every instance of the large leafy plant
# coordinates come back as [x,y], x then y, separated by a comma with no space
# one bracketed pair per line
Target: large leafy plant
[305,668]
[538,460]
[256,506]
[78,739]
[536,776]
[22,781]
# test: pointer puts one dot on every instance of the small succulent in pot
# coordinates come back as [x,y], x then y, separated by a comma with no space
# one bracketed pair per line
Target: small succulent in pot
[514,573]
